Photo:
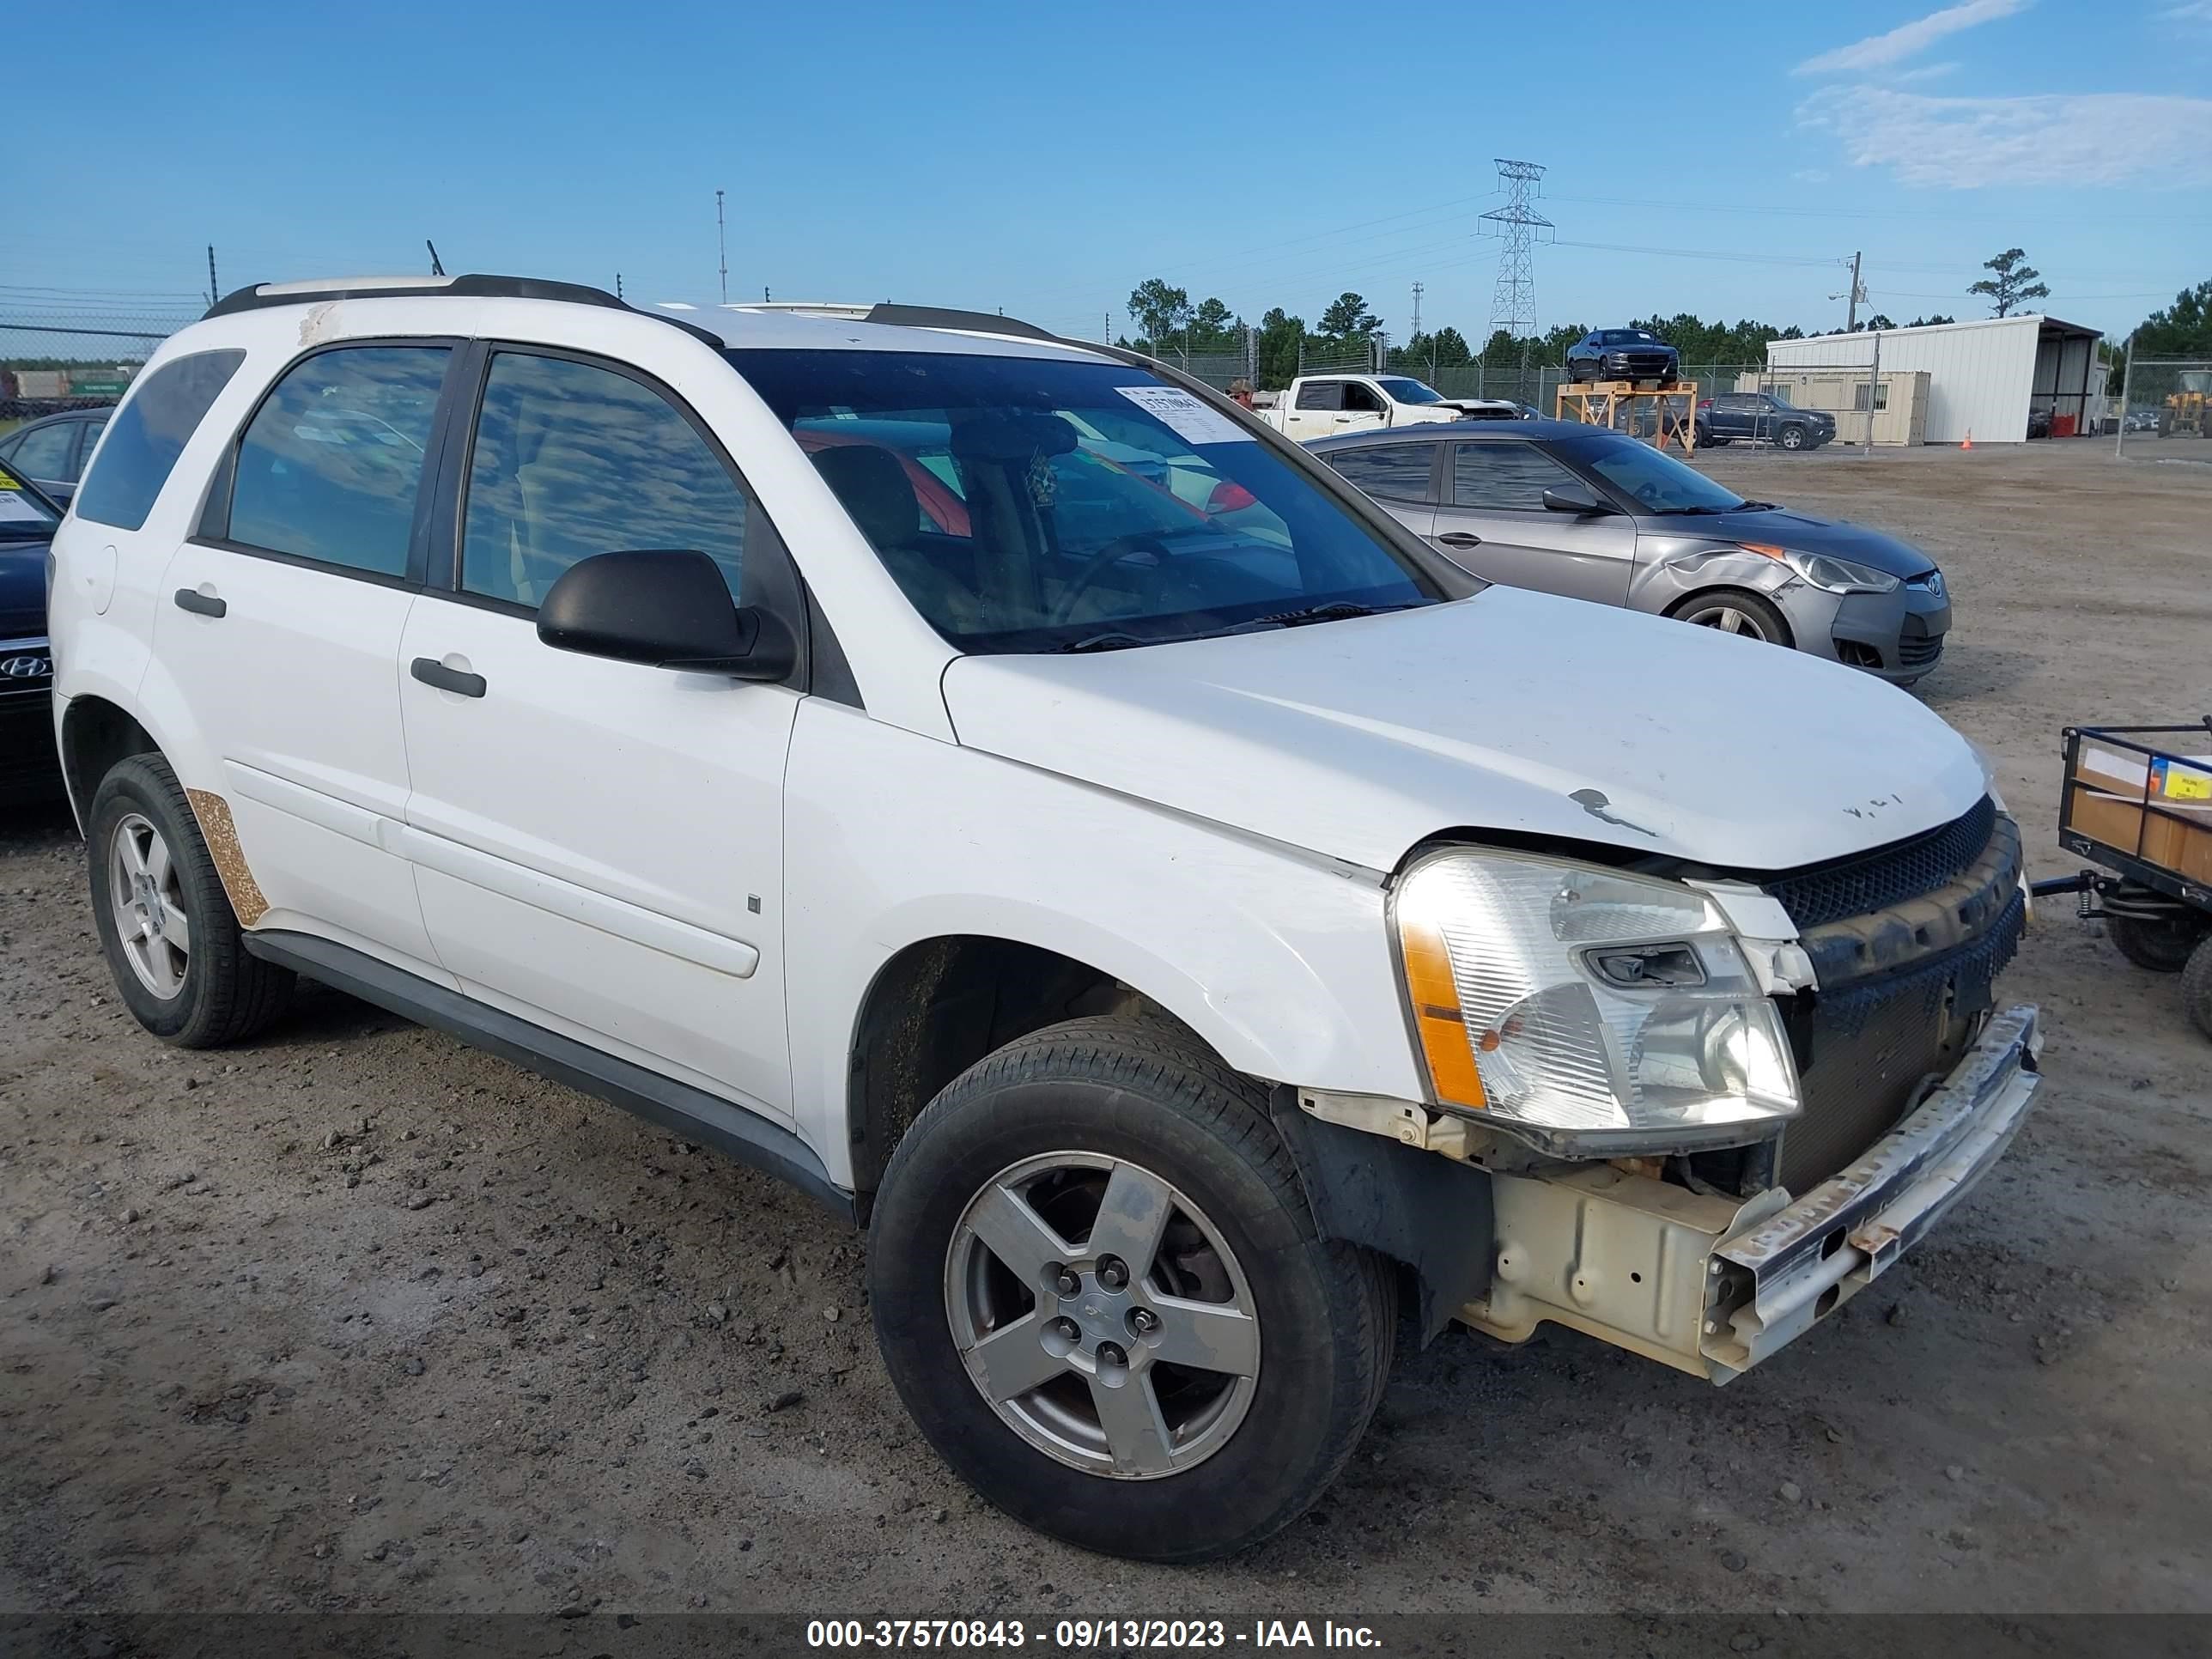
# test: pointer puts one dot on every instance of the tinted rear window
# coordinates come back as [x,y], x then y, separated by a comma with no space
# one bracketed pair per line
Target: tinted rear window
[148,433]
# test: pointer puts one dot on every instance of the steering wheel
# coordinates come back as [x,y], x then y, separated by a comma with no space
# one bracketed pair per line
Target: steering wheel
[1112,553]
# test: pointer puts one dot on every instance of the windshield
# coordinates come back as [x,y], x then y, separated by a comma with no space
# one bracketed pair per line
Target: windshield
[1025,504]
[1658,484]
[1411,391]
[25,515]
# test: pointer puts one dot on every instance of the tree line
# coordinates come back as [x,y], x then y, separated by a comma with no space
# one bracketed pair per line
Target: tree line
[1165,319]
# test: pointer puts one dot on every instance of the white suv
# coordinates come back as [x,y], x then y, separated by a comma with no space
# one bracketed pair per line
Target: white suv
[1172,927]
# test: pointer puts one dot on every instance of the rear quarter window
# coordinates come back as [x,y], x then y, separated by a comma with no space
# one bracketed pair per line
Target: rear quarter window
[148,433]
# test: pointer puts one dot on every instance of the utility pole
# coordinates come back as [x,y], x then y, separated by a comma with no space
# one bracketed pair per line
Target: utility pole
[618,293]
[1417,309]
[1856,298]
[722,246]
[1107,338]
[214,293]
[1513,304]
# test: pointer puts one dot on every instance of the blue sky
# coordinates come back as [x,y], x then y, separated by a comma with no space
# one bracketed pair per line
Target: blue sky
[1045,158]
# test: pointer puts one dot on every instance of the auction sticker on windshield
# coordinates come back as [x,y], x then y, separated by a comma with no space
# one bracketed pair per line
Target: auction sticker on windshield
[1185,416]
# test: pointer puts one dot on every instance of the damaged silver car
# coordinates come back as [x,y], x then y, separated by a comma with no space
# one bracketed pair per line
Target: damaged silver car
[1595,514]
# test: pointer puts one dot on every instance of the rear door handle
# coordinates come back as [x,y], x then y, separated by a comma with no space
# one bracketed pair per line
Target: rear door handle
[1461,538]
[199,604]
[431,672]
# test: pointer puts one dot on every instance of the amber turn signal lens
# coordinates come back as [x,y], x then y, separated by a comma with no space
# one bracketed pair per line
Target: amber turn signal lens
[1437,1016]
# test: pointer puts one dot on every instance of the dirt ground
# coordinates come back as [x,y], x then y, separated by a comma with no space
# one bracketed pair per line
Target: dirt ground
[359,1319]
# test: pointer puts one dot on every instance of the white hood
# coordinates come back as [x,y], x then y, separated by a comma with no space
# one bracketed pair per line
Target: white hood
[1509,711]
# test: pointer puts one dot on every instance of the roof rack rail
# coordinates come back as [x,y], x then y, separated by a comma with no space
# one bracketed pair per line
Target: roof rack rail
[476,286]
[391,288]
[976,322]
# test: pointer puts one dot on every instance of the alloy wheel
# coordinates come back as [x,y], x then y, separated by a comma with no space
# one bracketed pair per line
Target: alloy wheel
[1103,1316]
[1728,619]
[148,906]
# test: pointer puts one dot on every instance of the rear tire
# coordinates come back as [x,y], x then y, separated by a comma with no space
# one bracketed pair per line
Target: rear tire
[2163,947]
[2196,985]
[1069,1137]
[164,922]
[1735,610]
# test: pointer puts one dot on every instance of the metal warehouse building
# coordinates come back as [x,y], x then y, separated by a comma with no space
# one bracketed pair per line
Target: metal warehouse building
[1982,377]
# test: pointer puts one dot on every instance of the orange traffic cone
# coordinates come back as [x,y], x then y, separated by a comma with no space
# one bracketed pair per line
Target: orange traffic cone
[1969,444]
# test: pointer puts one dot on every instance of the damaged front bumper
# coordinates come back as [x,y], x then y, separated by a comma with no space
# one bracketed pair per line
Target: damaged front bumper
[1713,1284]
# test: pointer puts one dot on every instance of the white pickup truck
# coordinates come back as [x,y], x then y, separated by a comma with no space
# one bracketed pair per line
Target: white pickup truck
[1318,406]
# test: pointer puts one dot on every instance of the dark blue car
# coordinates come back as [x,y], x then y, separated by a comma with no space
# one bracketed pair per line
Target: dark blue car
[29,767]
[1623,354]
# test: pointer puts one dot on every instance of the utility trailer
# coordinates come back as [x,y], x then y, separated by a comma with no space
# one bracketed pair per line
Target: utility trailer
[2135,803]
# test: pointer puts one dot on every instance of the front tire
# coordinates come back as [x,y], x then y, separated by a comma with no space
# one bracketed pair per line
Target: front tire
[165,923]
[1099,1289]
[1735,610]
[1792,437]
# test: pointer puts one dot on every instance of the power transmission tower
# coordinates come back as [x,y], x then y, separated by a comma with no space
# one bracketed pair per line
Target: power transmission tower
[1417,292]
[722,246]
[1513,306]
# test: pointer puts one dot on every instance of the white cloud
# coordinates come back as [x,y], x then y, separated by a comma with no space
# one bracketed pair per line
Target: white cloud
[1907,39]
[2190,11]
[1928,72]
[2057,138]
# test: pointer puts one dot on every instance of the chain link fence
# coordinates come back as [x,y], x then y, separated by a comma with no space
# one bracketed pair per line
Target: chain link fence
[2166,410]
[67,353]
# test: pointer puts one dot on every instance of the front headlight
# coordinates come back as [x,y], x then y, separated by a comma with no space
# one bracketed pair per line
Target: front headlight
[1835,575]
[1827,572]
[1612,1008]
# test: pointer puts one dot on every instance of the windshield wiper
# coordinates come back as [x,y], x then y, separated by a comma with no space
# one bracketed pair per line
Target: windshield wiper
[1679,512]
[1754,506]
[1334,611]
[1112,640]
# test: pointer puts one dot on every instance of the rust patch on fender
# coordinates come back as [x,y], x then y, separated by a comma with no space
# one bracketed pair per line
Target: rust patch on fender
[222,837]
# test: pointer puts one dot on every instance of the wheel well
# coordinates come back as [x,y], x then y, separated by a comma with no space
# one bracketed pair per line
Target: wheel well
[95,735]
[941,1005]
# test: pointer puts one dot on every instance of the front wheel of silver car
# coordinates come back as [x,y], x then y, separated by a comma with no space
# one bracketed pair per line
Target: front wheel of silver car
[1735,610]
[1098,1287]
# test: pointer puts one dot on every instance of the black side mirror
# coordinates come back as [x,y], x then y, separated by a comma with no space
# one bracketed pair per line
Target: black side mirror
[1574,498]
[665,608]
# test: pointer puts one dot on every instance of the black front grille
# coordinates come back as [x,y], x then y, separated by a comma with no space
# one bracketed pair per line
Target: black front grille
[1873,1045]
[1888,876]
[1919,650]
[28,765]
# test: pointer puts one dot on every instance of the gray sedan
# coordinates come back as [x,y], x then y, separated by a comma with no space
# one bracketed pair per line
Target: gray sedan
[1599,515]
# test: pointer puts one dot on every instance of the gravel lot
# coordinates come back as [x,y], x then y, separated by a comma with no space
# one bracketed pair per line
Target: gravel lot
[361,1320]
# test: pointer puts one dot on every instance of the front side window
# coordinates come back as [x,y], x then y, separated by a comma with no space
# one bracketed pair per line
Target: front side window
[147,435]
[1412,391]
[1658,484]
[1397,472]
[329,467]
[572,460]
[1504,477]
[1361,398]
[1030,504]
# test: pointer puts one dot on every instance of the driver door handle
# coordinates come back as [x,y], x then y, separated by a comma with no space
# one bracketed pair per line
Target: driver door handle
[199,604]
[431,672]
[1461,538]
